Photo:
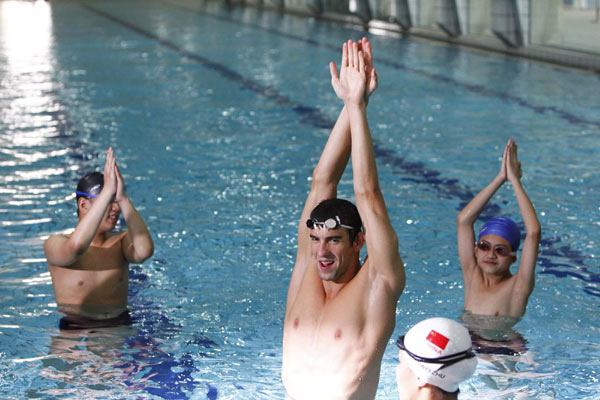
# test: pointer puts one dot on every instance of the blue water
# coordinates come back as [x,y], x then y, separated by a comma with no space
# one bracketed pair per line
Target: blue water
[218,116]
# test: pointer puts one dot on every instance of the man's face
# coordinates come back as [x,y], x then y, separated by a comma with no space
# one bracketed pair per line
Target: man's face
[332,251]
[494,254]
[110,218]
[405,378]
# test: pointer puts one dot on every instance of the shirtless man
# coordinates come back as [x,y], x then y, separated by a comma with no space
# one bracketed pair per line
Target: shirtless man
[339,314]
[490,288]
[89,267]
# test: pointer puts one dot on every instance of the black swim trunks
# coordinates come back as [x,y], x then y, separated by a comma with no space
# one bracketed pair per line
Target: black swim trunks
[77,322]
[513,347]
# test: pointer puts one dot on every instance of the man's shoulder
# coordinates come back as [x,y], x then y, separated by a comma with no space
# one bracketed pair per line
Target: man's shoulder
[67,233]
[393,277]
[56,238]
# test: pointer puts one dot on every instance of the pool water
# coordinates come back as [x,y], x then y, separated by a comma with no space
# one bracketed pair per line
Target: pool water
[218,116]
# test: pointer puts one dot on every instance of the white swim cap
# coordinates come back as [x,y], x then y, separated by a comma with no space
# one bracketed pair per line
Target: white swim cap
[439,352]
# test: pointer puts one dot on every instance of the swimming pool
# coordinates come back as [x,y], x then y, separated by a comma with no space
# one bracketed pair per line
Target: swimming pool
[218,116]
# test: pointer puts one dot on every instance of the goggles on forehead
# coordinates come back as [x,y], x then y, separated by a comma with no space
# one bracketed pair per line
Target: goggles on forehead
[330,223]
[446,361]
[84,194]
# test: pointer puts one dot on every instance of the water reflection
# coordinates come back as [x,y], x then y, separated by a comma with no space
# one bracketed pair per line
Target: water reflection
[494,334]
[26,72]
[119,362]
[504,357]
[26,43]
[88,362]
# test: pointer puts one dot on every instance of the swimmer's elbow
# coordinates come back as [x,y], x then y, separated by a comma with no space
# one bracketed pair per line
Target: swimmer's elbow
[463,219]
[150,251]
[321,178]
[143,253]
[368,191]
[535,232]
[62,252]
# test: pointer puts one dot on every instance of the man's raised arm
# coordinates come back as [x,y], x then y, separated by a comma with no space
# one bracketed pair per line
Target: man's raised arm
[64,251]
[137,244]
[467,217]
[328,172]
[525,275]
[382,241]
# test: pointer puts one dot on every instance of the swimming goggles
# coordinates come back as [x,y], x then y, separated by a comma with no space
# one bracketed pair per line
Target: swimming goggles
[445,360]
[330,223]
[499,250]
[84,194]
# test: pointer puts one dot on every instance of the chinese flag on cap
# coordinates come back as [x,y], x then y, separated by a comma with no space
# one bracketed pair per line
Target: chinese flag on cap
[437,339]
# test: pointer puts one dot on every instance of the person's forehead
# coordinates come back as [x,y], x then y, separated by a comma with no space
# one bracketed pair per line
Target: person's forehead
[495,240]
[325,233]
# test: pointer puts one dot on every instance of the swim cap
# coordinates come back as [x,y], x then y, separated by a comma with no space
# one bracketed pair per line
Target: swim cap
[90,185]
[505,228]
[439,339]
[344,210]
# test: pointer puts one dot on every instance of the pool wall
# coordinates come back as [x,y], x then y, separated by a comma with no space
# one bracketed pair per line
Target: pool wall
[557,31]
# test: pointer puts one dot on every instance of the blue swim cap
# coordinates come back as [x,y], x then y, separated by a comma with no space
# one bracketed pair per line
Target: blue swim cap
[505,228]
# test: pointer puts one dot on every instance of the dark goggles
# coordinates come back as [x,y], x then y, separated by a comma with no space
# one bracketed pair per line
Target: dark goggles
[502,251]
[330,223]
[446,361]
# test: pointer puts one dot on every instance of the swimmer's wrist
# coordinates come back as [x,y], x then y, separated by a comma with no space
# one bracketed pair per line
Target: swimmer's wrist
[358,106]
[105,195]
[499,179]
[514,180]
[124,200]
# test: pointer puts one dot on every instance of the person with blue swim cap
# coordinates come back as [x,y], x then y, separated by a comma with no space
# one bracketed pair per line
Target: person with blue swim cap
[505,228]
[490,287]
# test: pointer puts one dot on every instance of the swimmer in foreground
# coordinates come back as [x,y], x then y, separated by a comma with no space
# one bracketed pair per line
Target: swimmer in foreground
[89,267]
[490,288]
[339,313]
[435,356]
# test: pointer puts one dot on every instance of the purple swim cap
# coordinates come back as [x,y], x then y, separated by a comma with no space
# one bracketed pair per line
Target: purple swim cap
[505,228]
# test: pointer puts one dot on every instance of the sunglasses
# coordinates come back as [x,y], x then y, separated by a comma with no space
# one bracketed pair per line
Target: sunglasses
[500,250]
[330,223]
[446,361]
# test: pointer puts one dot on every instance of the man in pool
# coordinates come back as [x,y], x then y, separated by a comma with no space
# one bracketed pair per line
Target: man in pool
[435,356]
[340,314]
[490,288]
[89,267]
